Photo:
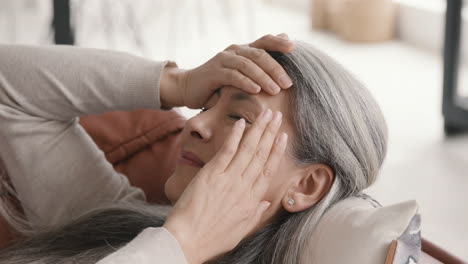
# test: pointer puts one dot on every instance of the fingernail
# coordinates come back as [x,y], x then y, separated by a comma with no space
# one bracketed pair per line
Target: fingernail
[283,36]
[267,114]
[283,138]
[274,87]
[240,123]
[255,88]
[277,118]
[285,81]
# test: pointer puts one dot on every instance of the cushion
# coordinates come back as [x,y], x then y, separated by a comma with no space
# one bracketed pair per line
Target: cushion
[142,144]
[358,230]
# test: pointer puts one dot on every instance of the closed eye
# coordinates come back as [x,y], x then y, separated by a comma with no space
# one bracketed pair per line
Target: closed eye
[236,117]
[232,116]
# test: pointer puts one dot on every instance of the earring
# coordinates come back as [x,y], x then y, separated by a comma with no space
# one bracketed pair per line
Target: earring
[291,202]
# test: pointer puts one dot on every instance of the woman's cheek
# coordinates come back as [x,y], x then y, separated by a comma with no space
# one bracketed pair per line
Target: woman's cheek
[221,136]
[178,181]
[171,191]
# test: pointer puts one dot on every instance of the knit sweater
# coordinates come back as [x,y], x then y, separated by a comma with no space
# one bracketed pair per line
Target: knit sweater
[55,167]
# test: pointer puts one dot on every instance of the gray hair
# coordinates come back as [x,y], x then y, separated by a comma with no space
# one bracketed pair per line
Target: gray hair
[337,122]
[88,238]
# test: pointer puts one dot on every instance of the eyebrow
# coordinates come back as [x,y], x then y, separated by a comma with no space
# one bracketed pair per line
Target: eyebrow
[241,96]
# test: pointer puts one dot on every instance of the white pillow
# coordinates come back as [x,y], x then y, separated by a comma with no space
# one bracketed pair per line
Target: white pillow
[358,231]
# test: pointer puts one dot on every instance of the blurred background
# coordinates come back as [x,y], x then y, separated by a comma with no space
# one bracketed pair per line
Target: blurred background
[400,49]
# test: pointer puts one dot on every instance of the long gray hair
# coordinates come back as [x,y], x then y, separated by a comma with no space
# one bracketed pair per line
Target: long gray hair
[337,123]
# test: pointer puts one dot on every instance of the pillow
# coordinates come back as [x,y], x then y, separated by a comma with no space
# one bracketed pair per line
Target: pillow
[142,144]
[358,230]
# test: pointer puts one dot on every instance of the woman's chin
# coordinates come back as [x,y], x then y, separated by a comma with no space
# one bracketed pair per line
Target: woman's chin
[178,181]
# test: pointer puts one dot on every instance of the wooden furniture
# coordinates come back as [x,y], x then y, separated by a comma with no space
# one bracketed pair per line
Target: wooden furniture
[432,253]
[367,20]
[356,20]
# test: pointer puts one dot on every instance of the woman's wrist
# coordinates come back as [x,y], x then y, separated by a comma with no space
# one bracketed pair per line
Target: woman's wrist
[185,242]
[171,86]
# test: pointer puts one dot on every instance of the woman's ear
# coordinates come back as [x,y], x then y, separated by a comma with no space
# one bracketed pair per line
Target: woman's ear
[314,183]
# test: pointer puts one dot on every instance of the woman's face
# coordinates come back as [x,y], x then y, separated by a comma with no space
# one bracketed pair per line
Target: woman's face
[205,133]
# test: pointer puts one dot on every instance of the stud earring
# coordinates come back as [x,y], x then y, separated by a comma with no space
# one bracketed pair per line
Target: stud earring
[291,202]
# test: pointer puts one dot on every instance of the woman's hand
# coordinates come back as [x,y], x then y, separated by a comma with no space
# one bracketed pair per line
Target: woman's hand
[224,202]
[248,67]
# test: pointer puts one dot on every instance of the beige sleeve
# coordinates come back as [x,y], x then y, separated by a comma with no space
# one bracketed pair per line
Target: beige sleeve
[153,245]
[55,167]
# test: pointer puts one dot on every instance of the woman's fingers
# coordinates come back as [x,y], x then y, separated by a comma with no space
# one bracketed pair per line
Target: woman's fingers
[273,43]
[258,161]
[248,145]
[253,71]
[278,76]
[225,155]
[258,65]
[237,79]
[283,35]
[261,184]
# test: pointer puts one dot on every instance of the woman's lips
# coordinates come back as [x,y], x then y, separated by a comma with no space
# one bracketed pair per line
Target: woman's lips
[191,159]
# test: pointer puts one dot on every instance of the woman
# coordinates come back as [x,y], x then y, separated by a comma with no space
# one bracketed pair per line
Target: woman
[56,171]
[337,138]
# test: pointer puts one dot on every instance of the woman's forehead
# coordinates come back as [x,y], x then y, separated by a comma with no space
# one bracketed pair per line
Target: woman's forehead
[261,100]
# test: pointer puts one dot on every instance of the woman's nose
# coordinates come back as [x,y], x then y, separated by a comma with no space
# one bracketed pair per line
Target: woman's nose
[199,128]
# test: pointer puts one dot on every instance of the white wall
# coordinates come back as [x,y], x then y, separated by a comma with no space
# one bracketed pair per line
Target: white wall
[423,24]
[301,5]
[420,22]
[25,22]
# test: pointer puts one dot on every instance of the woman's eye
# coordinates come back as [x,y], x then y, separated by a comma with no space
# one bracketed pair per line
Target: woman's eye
[235,117]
